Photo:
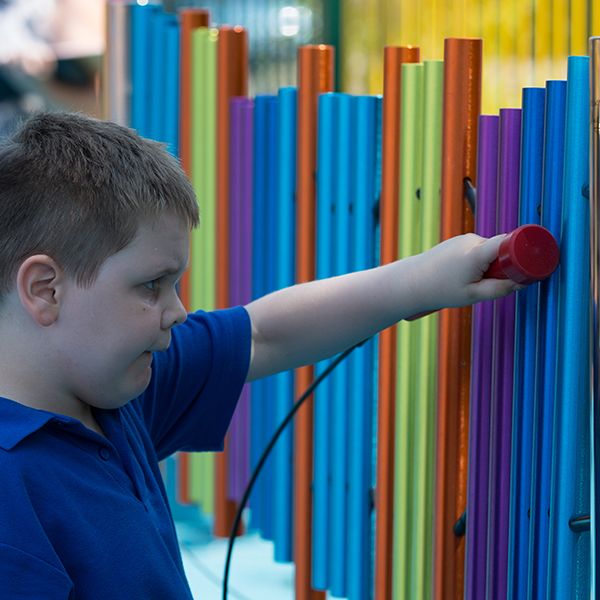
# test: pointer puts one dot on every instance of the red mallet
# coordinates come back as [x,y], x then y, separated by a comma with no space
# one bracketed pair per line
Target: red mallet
[528,254]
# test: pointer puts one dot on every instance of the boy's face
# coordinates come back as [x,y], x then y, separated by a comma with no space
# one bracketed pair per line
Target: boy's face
[107,332]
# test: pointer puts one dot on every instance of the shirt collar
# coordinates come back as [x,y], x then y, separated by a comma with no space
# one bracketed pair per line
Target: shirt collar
[19,421]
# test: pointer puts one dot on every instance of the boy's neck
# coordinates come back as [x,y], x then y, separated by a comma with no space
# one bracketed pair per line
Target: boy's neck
[22,395]
[95,426]
[29,375]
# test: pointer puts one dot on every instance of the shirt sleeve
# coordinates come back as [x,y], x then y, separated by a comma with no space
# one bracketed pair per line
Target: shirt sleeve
[197,382]
[26,577]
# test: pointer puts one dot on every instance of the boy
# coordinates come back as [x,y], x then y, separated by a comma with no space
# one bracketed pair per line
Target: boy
[102,376]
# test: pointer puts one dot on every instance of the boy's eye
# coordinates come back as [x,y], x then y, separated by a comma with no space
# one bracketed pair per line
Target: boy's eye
[152,286]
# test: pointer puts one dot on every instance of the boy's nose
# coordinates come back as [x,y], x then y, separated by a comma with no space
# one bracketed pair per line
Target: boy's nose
[175,314]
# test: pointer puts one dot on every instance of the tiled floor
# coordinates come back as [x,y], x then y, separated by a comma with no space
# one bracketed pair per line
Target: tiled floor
[253,573]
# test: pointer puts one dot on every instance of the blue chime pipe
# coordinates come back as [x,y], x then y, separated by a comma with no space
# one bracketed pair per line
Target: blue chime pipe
[270,216]
[530,199]
[361,388]
[547,330]
[339,398]
[259,407]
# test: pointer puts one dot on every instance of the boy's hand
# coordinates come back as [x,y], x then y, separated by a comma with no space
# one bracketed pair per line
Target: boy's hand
[453,272]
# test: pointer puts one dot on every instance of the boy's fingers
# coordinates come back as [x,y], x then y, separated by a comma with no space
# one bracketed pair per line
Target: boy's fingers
[489,248]
[496,288]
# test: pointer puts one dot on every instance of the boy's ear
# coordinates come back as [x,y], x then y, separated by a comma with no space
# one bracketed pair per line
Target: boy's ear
[39,281]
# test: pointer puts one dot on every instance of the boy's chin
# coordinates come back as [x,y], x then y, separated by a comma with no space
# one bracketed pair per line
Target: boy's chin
[110,403]
[118,400]
[124,387]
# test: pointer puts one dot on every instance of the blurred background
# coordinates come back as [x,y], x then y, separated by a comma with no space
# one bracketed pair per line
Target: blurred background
[51,50]
[50,56]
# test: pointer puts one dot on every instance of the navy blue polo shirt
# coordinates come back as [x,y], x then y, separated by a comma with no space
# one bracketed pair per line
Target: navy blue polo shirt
[86,517]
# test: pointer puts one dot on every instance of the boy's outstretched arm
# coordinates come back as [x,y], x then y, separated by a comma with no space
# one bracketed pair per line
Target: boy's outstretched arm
[305,323]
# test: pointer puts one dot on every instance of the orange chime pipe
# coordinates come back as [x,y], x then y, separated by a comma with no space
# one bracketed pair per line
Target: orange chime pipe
[232,68]
[462,105]
[232,80]
[315,76]
[394,57]
[190,19]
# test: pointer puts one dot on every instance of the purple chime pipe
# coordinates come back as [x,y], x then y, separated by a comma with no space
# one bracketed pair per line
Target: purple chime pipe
[240,221]
[245,280]
[235,178]
[503,361]
[481,372]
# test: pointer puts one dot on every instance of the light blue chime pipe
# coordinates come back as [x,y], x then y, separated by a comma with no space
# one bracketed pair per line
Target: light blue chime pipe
[141,78]
[568,565]
[326,188]
[347,189]
[269,272]
[594,51]
[285,276]
[339,399]
[158,71]
[170,118]
[154,70]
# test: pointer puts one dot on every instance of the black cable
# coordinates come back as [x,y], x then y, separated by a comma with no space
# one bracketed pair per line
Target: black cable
[460,527]
[263,457]
[470,194]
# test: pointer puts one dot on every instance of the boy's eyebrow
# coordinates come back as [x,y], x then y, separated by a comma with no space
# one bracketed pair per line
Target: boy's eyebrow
[163,272]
